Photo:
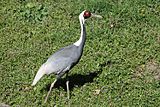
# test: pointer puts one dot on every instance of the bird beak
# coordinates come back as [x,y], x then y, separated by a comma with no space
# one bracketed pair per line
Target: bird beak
[95,15]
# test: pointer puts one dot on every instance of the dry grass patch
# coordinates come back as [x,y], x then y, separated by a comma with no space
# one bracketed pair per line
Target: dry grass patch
[149,71]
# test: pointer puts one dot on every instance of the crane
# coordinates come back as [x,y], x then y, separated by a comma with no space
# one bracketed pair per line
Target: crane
[62,61]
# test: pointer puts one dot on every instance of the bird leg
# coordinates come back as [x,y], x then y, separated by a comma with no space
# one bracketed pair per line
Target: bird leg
[52,85]
[67,84]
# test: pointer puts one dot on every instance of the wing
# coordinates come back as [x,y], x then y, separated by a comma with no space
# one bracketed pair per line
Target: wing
[58,66]
[70,52]
[63,60]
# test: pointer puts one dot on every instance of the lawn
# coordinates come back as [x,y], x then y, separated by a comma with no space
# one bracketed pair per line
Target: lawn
[120,65]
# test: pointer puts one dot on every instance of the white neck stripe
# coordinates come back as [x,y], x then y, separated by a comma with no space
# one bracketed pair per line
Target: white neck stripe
[81,19]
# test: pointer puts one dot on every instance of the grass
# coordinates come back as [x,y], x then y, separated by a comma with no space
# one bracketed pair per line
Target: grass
[121,61]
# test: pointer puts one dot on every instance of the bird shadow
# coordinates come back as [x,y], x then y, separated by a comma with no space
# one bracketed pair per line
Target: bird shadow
[78,80]
[75,80]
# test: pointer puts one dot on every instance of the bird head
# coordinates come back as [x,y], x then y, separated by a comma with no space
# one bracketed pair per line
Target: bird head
[87,14]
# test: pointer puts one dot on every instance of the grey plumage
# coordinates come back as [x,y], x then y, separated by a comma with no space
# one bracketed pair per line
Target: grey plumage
[64,59]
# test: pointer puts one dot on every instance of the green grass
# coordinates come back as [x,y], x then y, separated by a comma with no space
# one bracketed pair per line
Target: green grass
[121,56]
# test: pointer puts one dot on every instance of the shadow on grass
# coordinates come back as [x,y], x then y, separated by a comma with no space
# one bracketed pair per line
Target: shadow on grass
[78,80]
[75,80]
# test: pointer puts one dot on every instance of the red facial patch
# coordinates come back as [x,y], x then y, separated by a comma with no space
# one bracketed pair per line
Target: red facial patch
[87,14]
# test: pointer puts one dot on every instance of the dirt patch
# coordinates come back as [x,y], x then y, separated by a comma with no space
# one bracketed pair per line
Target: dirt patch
[4,105]
[158,39]
[154,68]
[148,71]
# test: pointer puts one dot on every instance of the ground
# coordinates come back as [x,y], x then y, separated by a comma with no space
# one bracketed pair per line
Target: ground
[120,65]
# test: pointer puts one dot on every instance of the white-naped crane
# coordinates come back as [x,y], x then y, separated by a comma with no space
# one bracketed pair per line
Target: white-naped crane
[66,58]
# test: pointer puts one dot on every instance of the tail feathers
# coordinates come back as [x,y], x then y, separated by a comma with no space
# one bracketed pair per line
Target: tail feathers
[39,75]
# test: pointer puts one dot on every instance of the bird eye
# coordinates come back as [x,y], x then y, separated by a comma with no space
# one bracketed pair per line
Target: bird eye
[87,14]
